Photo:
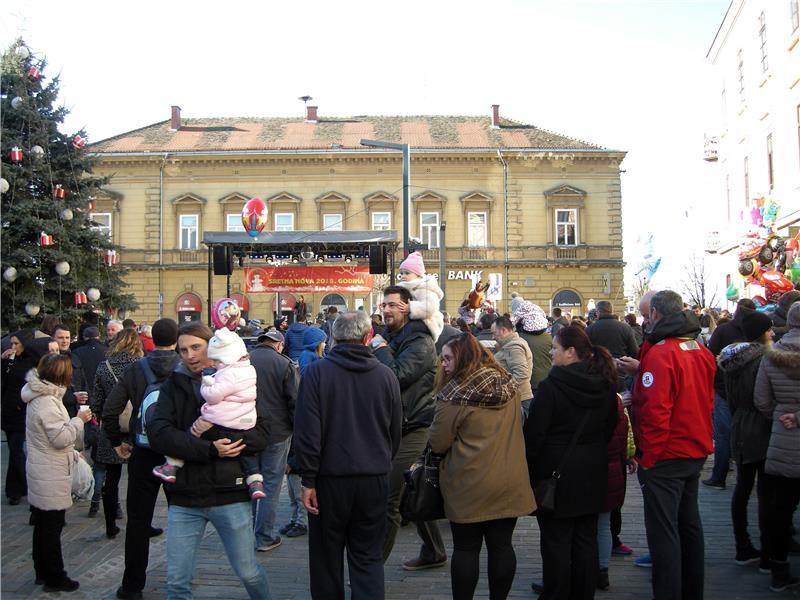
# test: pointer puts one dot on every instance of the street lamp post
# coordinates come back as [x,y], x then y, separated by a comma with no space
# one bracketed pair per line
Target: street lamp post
[406,150]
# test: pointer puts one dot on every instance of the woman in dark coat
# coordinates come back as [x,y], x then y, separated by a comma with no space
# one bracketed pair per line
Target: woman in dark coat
[125,349]
[580,390]
[23,356]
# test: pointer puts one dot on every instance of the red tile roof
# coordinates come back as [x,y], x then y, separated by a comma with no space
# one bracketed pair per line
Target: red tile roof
[422,132]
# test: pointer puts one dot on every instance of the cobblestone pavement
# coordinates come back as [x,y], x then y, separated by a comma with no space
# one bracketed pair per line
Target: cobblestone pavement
[98,562]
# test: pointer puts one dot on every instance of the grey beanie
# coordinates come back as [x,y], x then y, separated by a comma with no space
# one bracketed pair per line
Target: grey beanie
[793,317]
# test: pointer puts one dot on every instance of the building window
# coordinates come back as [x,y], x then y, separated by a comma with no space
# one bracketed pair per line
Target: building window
[284,221]
[746,182]
[794,7]
[741,77]
[476,232]
[770,170]
[102,222]
[381,221]
[188,227]
[762,36]
[233,222]
[429,228]
[332,222]
[566,227]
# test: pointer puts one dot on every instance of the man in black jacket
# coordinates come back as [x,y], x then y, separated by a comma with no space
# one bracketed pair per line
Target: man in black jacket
[91,352]
[724,335]
[143,486]
[210,487]
[77,393]
[409,351]
[276,389]
[348,430]
[611,333]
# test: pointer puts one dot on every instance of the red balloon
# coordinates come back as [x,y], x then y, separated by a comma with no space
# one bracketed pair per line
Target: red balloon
[254,216]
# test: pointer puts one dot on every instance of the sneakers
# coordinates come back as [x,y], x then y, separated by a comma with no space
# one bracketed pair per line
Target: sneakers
[537,586]
[155,532]
[111,534]
[94,507]
[713,484]
[747,555]
[256,490]
[646,562]
[622,550]
[125,594]
[167,472]
[765,566]
[269,545]
[65,585]
[782,578]
[417,564]
[602,580]
[296,530]
[285,529]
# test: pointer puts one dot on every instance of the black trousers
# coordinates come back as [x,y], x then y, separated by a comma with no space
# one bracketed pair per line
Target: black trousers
[569,556]
[48,563]
[674,529]
[615,521]
[352,517]
[143,489]
[465,562]
[111,495]
[745,479]
[16,483]
[783,495]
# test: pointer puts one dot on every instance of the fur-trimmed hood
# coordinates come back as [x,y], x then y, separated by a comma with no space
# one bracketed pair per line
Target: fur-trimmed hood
[785,355]
[735,356]
[38,387]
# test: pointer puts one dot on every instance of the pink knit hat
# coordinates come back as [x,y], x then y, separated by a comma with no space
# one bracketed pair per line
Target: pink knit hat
[413,263]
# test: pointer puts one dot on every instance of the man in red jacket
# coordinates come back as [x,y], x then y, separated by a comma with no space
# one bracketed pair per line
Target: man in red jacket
[673,400]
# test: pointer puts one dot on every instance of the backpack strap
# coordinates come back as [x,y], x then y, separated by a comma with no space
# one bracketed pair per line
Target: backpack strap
[149,376]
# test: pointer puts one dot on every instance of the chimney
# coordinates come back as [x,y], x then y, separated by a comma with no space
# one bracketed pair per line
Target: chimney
[175,120]
[311,114]
[495,116]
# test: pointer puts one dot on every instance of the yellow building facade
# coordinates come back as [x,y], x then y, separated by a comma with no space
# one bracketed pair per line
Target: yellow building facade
[539,210]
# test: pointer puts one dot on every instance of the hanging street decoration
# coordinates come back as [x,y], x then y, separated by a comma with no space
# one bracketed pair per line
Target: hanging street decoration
[15,154]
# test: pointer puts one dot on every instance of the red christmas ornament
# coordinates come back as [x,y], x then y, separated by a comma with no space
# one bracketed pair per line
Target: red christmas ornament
[78,142]
[59,192]
[110,258]
[91,205]
[80,298]
[34,74]
[45,239]
[15,155]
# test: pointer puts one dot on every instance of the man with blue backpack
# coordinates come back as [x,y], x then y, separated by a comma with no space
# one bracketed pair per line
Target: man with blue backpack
[139,386]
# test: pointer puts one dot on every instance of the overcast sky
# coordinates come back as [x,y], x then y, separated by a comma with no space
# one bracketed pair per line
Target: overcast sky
[625,74]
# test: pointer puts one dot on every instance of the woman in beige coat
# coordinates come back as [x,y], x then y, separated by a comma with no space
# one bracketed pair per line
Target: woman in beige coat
[51,439]
[484,474]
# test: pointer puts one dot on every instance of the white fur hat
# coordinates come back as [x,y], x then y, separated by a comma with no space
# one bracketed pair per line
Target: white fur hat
[226,346]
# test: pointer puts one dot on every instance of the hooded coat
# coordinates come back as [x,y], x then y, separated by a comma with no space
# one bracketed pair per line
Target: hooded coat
[424,306]
[739,365]
[514,355]
[12,409]
[51,439]
[477,424]
[312,338]
[561,402]
[725,335]
[294,340]
[348,416]
[777,392]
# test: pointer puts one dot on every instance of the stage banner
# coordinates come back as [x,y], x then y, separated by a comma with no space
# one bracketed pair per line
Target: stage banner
[308,279]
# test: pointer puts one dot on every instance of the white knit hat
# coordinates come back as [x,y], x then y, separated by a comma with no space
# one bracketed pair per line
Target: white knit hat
[226,346]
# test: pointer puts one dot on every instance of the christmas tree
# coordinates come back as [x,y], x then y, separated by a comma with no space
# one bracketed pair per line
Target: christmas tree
[55,259]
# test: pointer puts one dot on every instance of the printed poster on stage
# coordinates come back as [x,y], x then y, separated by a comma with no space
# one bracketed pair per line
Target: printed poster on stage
[301,279]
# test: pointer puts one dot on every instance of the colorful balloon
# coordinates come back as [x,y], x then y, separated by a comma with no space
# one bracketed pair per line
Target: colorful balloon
[254,216]
[225,313]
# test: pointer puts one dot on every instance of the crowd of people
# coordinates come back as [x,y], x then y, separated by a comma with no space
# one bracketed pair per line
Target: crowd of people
[525,413]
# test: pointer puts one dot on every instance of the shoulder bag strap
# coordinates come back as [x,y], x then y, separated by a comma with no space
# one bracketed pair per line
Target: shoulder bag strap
[114,375]
[572,442]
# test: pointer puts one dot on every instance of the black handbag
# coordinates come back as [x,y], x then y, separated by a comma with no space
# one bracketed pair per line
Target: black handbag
[544,490]
[422,497]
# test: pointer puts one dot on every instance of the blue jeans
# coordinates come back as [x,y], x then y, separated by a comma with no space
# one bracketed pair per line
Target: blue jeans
[604,539]
[273,467]
[99,472]
[234,524]
[296,498]
[722,440]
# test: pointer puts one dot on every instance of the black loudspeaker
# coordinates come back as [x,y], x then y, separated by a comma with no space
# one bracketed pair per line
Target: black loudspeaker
[223,260]
[377,260]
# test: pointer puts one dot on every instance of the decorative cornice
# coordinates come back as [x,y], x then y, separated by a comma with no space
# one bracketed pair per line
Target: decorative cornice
[332,197]
[476,196]
[429,196]
[234,197]
[565,191]
[380,196]
[188,198]
[284,197]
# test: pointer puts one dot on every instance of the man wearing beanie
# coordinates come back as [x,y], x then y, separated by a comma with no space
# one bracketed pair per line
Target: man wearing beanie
[143,486]
[781,311]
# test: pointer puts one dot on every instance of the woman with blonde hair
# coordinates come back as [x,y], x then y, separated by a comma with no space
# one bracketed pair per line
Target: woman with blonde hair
[483,474]
[124,349]
[51,440]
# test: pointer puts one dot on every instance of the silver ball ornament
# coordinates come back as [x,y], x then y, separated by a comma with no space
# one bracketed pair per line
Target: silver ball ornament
[32,309]
[23,52]
[93,294]
[10,274]
[66,214]
[4,185]
[37,151]
[62,267]
[16,102]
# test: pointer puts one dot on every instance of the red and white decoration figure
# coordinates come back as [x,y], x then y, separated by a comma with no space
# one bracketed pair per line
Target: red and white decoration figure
[15,155]
[80,298]
[254,216]
[34,74]
[59,192]
[78,142]
[110,258]
[45,239]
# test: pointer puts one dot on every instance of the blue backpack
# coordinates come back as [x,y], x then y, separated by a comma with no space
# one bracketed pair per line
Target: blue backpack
[148,406]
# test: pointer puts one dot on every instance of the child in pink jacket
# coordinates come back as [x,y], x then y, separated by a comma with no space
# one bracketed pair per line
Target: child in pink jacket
[230,403]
